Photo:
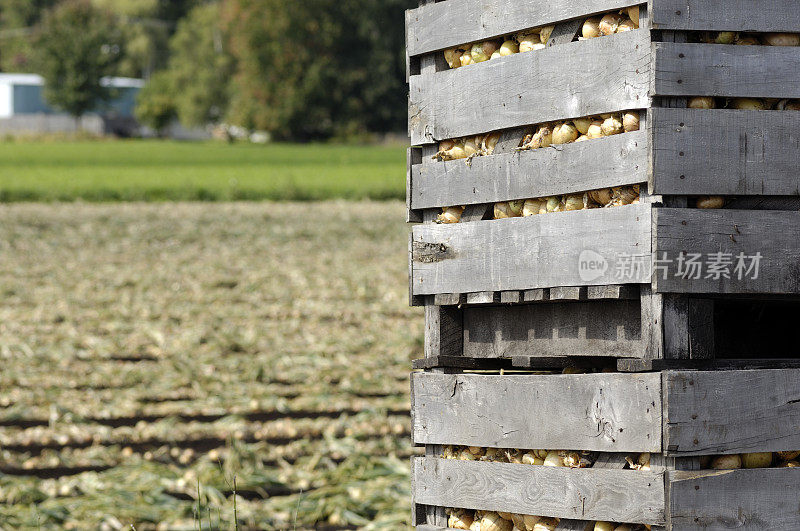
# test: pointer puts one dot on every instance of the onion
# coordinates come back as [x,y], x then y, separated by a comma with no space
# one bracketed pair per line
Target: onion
[633,13]
[542,139]
[572,460]
[492,454]
[564,133]
[624,195]
[495,55]
[609,24]
[466,455]
[519,521]
[532,207]
[509,47]
[453,57]
[475,450]
[726,462]
[505,516]
[460,520]
[757,460]
[553,205]
[516,207]
[591,28]
[546,524]
[450,215]
[502,211]
[582,124]
[595,130]
[574,202]
[602,197]
[626,25]
[482,51]
[554,459]
[528,41]
[725,37]
[466,58]
[545,32]
[471,146]
[782,39]
[612,126]
[603,526]
[711,202]
[630,121]
[529,458]
[790,464]
[492,522]
[789,456]
[456,150]
[490,143]
[747,40]
[476,525]
[624,527]
[530,521]
[748,104]
[702,102]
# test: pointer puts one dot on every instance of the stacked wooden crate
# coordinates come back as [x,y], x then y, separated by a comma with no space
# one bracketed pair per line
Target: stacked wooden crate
[694,363]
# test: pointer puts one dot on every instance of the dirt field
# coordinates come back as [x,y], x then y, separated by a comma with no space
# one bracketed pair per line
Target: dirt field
[149,349]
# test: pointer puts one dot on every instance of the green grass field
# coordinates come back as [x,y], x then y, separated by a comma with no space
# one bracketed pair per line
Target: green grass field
[141,170]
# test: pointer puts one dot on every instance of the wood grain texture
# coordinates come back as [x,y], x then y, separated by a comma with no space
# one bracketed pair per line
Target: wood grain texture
[444,331]
[741,15]
[582,494]
[754,500]
[732,411]
[602,163]
[725,152]
[528,253]
[774,234]
[602,412]
[447,24]
[582,329]
[569,81]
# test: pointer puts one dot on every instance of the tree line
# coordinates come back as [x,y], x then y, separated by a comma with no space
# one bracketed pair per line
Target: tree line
[299,69]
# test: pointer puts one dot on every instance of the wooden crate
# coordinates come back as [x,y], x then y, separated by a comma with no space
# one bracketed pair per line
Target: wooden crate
[676,415]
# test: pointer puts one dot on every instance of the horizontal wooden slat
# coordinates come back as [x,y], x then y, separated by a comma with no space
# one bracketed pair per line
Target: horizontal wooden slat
[773,234]
[557,249]
[441,25]
[732,411]
[725,152]
[597,328]
[729,71]
[602,163]
[582,494]
[750,500]
[568,81]
[719,15]
[603,412]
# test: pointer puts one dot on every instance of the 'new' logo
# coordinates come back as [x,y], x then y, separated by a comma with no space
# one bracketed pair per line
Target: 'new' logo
[591,266]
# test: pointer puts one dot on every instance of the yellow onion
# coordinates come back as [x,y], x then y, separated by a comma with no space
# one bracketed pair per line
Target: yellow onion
[448,452]
[789,456]
[602,197]
[725,37]
[630,121]
[633,14]
[612,126]
[591,28]
[788,105]
[471,146]
[554,458]
[466,455]
[582,138]
[747,40]
[476,525]
[574,202]
[450,215]
[553,205]
[519,521]
[509,47]
[492,454]
[595,130]
[466,58]
[543,138]
[572,460]
[495,55]
[790,464]
[582,124]
[711,202]
[514,456]
[530,521]
[460,520]
[529,42]
[624,527]
[482,51]
[475,450]
[492,522]
[490,143]
[748,104]
[532,207]
[546,524]
[603,526]
[453,57]
[564,133]
[516,207]
[702,102]
[609,24]
[530,459]
[757,460]
[782,39]
[545,32]
[726,462]
[505,516]
[455,152]
[626,25]
[624,195]
[502,211]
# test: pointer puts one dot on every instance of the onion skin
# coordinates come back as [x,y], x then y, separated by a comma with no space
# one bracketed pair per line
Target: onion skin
[725,37]
[509,47]
[747,40]
[483,51]
[453,57]
[471,147]
[633,14]
[530,459]
[595,130]
[554,459]
[757,460]
[582,124]
[630,121]
[603,526]
[612,126]
[505,516]
[532,207]
[781,39]
[460,520]
[582,138]
[519,521]
[450,215]
[528,42]
[492,522]
[789,456]
[574,202]
[545,32]
[530,521]
[748,104]
[602,197]
[711,202]
[591,28]
[490,143]
[727,462]
[564,133]
[626,25]
[610,23]
[516,207]
[790,464]
[702,102]
[546,524]
[502,211]
[466,59]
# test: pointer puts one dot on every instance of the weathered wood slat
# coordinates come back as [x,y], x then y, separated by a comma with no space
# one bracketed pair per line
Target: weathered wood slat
[579,248]
[735,499]
[444,331]
[684,69]
[602,412]
[725,152]
[447,24]
[732,411]
[741,15]
[646,365]
[614,291]
[604,75]
[597,328]
[773,234]
[557,170]
[583,494]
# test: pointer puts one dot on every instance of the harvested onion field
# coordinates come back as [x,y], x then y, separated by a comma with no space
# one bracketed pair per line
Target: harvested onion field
[149,350]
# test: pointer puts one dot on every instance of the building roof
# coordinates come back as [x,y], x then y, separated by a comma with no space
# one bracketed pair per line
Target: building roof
[35,79]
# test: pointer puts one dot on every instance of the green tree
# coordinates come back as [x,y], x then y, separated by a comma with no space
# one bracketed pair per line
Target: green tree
[155,104]
[17,18]
[75,47]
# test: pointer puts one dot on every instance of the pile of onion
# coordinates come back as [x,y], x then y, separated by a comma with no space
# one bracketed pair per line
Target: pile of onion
[479,52]
[611,23]
[751,39]
[607,197]
[580,129]
[467,147]
[500,521]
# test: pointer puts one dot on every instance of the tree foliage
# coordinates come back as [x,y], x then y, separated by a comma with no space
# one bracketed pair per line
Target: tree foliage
[156,104]
[76,46]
